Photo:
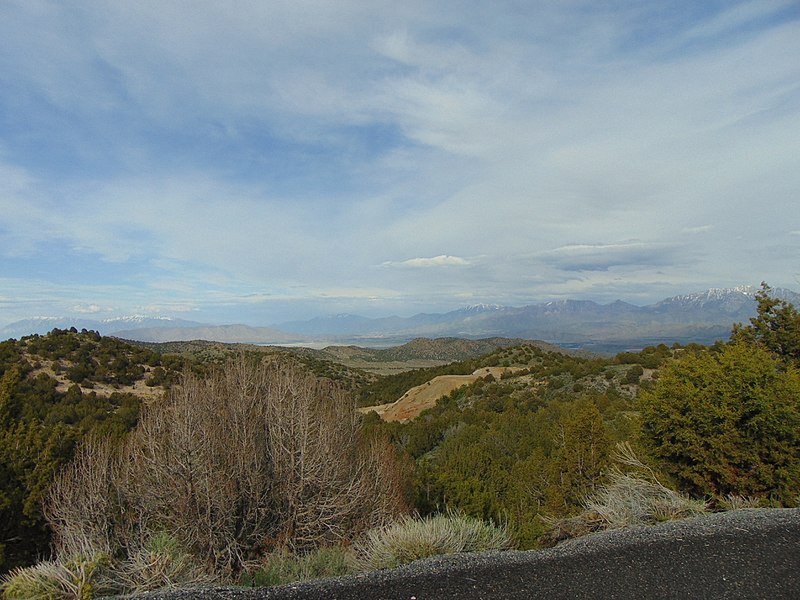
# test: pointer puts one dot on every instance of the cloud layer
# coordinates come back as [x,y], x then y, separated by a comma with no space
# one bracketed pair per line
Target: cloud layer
[266,161]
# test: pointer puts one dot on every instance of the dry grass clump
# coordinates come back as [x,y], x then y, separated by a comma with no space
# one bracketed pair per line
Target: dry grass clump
[633,497]
[735,502]
[637,497]
[78,578]
[410,539]
[278,568]
[159,564]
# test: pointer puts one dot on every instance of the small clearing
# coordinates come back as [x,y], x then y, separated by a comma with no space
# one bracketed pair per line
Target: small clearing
[138,388]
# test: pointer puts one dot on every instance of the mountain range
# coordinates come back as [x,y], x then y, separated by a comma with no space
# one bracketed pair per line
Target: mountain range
[42,325]
[702,318]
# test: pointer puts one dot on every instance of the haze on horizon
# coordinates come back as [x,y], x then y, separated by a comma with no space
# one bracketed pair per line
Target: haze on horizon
[258,162]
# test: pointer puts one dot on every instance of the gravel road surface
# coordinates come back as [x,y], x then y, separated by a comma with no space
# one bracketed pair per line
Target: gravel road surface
[742,554]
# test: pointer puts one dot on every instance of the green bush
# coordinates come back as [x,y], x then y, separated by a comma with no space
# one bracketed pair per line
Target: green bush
[410,539]
[776,327]
[727,421]
[634,375]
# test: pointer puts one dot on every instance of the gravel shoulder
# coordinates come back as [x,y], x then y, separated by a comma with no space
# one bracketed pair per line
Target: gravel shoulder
[751,553]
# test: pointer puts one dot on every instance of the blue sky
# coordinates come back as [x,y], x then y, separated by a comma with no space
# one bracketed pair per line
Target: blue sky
[271,160]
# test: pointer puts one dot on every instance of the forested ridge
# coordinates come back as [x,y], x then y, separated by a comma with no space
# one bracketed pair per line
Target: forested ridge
[534,451]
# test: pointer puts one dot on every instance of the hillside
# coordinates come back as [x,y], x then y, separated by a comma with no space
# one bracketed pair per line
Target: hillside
[352,360]
[55,390]
[552,445]
[444,349]
[425,396]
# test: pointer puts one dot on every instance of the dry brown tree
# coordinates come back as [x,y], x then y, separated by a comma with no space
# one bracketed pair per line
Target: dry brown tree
[259,456]
[82,506]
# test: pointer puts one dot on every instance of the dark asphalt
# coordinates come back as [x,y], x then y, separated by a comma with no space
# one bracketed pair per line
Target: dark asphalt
[742,554]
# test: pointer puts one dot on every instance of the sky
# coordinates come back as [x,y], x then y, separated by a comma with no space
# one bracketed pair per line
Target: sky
[262,161]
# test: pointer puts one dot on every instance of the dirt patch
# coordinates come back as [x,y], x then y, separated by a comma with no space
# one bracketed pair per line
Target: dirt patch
[425,396]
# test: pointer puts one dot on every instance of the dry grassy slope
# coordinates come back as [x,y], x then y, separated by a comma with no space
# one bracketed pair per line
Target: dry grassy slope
[425,396]
[138,388]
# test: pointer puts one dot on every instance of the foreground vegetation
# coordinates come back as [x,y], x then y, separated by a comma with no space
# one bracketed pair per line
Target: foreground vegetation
[288,482]
[55,390]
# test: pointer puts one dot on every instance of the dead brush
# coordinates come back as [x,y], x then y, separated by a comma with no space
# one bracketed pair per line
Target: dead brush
[632,497]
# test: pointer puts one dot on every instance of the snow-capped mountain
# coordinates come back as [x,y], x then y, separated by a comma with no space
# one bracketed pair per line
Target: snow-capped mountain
[730,299]
[700,317]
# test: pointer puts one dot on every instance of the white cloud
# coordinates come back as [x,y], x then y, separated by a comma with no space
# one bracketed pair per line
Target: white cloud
[87,309]
[443,260]
[697,229]
[189,160]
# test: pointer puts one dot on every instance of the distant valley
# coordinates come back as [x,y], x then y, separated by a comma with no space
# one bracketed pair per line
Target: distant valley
[577,324]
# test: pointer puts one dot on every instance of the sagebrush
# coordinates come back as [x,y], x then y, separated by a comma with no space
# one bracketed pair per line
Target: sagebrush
[410,539]
[76,578]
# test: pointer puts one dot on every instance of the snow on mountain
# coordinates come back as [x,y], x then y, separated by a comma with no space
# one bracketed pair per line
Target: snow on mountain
[478,308]
[698,317]
[737,295]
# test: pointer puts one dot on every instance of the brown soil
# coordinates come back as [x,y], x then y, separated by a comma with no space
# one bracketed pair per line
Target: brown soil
[425,396]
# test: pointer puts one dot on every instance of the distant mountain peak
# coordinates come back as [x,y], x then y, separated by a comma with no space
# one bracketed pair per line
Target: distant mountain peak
[481,307]
[736,294]
[136,319]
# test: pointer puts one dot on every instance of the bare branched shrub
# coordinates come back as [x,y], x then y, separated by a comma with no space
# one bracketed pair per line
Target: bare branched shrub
[84,503]
[200,467]
[257,457]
